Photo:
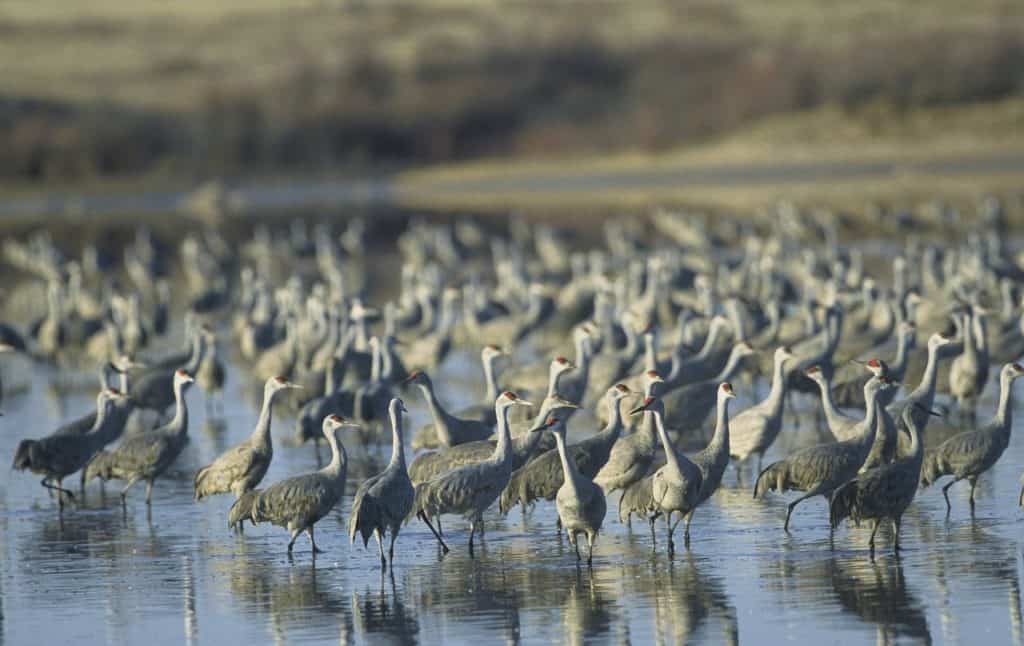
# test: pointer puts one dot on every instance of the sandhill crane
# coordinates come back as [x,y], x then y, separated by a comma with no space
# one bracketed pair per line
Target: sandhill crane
[543,477]
[297,503]
[525,442]
[754,430]
[470,489]
[146,456]
[693,403]
[819,470]
[848,381]
[485,411]
[580,503]
[211,373]
[154,389]
[62,453]
[885,492]
[924,395]
[631,457]
[383,501]
[968,455]
[968,372]
[675,487]
[447,429]
[243,466]
[842,426]
[712,461]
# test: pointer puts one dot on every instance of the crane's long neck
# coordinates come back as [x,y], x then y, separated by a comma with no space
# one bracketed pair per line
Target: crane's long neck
[568,464]
[714,332]
[671,457]
[869,428]
[397,439]
[437,411]
[980,338]
[730,366]
[650,353]
[339,457]
[614,427]
[1004,411]
[926,389]
[195,356]
[489,379]
[553,374]
[832,413]
[261,434]
[502,452]
[899,367]
[778,389]
[180,421]
[721,437]
[632,345]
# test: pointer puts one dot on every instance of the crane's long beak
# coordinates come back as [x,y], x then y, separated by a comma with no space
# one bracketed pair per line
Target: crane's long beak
[522,402]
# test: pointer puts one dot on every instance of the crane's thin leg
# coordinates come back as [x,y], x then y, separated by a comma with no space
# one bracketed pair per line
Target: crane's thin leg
[670,527]
[974,482]
[391,547]
[291,543]
[149,493]
[60,490]
[81,486]
[574,539]
[686,528]
[650,520]
[316,550]
[945,493]
[558,525]
[591,539]
[380,545]
[124,492]
[871,541]
[472,531]
[789,511]
[439,530]
[423,517]
[896,534]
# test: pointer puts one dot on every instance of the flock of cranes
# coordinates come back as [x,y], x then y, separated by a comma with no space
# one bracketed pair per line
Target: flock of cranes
[649,332]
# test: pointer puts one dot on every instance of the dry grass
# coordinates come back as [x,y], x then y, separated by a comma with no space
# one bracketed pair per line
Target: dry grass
[197,88]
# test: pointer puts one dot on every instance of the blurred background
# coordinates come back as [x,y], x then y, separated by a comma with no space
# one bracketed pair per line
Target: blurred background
[179,92]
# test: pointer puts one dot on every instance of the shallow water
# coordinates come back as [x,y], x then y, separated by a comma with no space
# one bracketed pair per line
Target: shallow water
[180,576]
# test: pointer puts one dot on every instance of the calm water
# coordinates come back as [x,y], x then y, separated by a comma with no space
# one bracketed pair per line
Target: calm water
[180,576]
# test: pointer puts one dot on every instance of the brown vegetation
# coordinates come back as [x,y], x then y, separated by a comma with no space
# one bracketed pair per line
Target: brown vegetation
[570,89]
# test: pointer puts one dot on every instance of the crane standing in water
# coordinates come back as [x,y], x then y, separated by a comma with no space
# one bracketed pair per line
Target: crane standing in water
[383,501]
[470,489]
[146,456]
[297,503]
[242,467]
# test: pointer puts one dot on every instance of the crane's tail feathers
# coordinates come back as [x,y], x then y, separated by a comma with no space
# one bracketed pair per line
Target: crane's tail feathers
[100,466]
[23,456]
[843,504]
[244,508]
[772,478]
[933,467]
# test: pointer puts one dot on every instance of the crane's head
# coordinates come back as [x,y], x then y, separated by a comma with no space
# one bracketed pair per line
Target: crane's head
[508,399]
[491,351]
[813,372]
[561,364]
[784,353]
[649,403]
[1014,370]
[552,423]
[619,391]
[417,377]
[725,391]
[183,378]
[743,349]
[397,406]
[280,383]
[334,422]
